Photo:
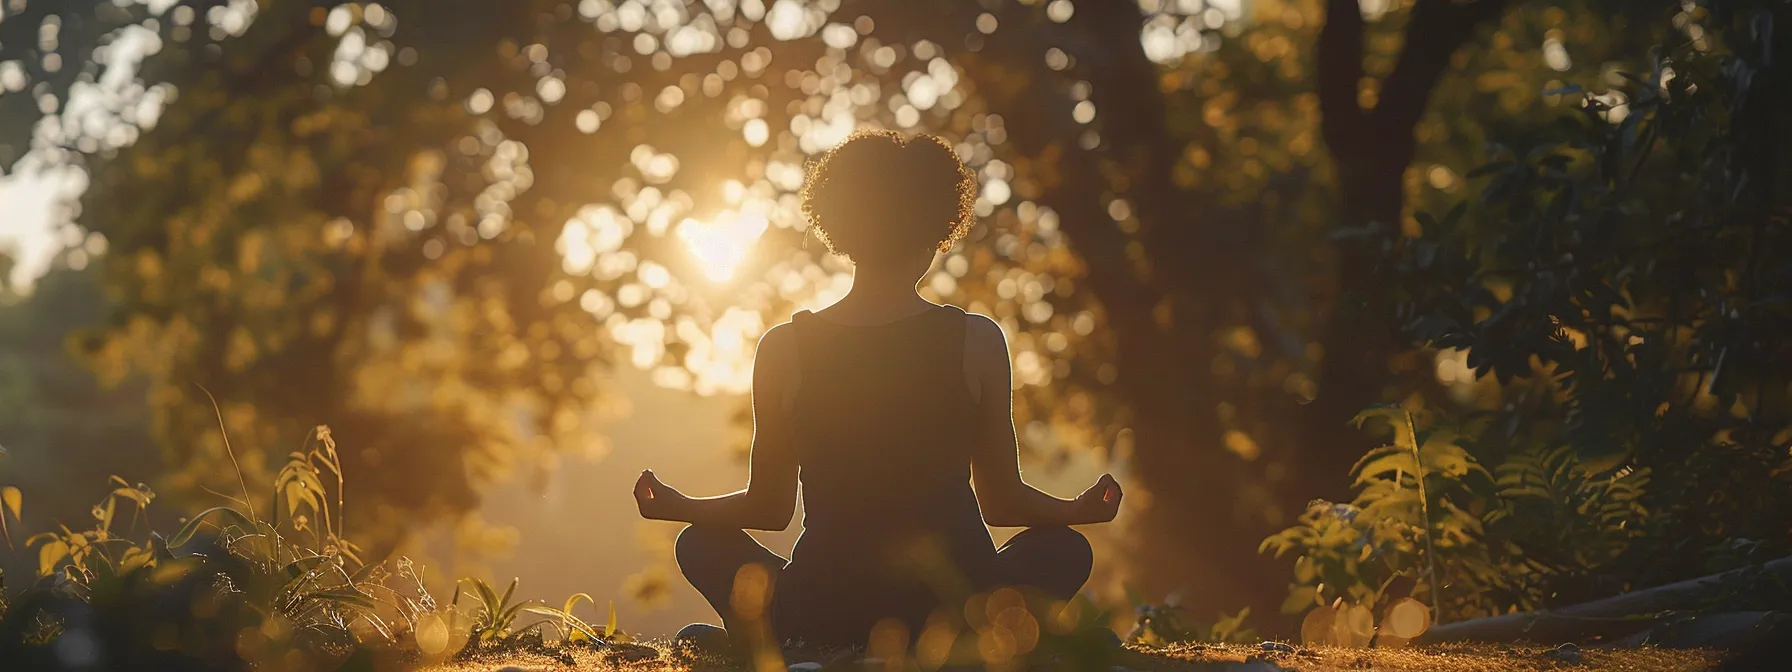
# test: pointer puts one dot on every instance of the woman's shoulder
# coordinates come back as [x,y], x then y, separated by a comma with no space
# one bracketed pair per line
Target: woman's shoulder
[978,325]
[984,338]
[779,339]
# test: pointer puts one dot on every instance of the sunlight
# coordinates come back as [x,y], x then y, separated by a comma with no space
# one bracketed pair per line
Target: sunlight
[722,243]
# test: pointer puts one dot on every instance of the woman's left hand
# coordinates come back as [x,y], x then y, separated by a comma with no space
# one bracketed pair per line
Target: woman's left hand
[656,500]
[1101,502]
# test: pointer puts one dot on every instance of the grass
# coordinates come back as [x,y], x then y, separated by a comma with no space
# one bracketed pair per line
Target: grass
[1194,658]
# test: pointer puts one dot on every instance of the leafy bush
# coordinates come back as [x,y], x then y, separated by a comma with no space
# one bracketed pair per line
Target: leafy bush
[231,590]
[1430,521]
[1612,310]
[1620,288]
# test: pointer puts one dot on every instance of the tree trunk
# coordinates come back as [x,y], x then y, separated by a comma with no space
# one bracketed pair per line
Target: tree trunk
[1371,149]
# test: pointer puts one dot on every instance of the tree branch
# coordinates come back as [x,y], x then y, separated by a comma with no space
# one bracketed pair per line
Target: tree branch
[1437,29]
[1340,52]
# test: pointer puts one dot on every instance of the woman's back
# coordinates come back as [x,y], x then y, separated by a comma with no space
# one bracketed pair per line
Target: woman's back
[884,425]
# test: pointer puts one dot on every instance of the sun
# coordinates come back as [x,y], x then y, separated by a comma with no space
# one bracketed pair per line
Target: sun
[724,241]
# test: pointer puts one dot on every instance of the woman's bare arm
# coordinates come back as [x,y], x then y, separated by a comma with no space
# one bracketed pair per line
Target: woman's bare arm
[769,499]
[1006,499]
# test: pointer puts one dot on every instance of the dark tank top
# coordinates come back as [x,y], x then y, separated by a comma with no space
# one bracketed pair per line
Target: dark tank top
[884,426]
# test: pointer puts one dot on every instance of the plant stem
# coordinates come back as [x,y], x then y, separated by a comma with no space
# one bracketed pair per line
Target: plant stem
[1418,459]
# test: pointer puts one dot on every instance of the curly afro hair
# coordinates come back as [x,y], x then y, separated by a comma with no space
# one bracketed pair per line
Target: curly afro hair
[881,194]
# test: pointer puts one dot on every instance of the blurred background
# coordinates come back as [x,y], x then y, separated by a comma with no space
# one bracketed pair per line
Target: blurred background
[511,253]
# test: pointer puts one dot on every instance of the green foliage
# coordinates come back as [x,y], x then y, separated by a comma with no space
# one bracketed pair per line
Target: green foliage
[1608,318]
[230,590]
[1619,287]
[1568,517]
[1171,623]
[1430,521]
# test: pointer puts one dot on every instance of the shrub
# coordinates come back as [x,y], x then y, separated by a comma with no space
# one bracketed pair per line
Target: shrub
[231,590]
[1431,522]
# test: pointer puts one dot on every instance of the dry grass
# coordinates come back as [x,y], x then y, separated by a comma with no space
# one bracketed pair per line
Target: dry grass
[1214,658]
[1457,658]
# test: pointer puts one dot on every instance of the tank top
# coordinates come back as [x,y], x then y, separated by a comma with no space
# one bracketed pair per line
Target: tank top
[884,427]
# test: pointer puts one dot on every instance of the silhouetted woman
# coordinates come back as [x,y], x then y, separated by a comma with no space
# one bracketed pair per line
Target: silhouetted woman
[887,408]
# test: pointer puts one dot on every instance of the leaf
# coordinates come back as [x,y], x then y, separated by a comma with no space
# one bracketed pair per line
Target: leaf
[302,565]
[573,601]
[566,619]
[132,493]
[12,499]
[136,557]
[1393,413]
[1393,462]
[347,596]
[487,598]
[186,532]
[508,592]
[610,625]
[50,556]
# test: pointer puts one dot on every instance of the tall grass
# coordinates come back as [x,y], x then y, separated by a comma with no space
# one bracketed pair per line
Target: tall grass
[231,590]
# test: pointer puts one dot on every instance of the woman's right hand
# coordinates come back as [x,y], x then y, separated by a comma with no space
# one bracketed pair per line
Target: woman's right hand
[656,500]
[1101,502]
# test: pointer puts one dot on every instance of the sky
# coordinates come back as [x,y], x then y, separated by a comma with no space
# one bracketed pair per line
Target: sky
[27,206]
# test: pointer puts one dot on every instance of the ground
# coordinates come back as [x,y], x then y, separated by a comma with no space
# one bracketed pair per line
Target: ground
[1206,658]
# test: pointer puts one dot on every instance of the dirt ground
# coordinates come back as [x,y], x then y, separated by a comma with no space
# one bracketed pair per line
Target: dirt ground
[1191,658]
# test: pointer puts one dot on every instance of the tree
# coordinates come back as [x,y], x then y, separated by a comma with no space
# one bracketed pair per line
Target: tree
[431,224]
[1616,285]
[1603,319]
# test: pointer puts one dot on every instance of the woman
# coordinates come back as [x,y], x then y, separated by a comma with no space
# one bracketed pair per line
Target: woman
[887,408]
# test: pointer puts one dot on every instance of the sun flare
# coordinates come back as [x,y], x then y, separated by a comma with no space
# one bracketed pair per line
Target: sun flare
[723,242]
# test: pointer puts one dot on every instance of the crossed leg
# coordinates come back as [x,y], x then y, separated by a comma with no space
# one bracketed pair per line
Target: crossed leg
[737,575]
[734,573]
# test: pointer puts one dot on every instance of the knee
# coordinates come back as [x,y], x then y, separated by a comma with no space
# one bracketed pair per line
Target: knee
[703,541]
[1068,545]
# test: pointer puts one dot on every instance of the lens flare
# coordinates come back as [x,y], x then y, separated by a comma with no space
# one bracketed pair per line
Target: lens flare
[721,244]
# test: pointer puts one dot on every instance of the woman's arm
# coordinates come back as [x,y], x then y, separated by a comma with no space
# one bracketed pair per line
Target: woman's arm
[1006,499]
[770,496]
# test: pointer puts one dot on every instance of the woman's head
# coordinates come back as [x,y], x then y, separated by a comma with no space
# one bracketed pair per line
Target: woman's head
[881,197]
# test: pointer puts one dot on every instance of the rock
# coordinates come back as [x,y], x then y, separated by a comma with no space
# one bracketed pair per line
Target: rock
[804,667]
[1566,653]
[1277,647]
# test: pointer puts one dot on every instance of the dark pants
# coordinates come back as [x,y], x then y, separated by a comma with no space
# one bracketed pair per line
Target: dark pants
[1054,561]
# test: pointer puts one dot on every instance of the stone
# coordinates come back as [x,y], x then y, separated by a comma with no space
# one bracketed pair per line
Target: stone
[1566,653]
[1277,647]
